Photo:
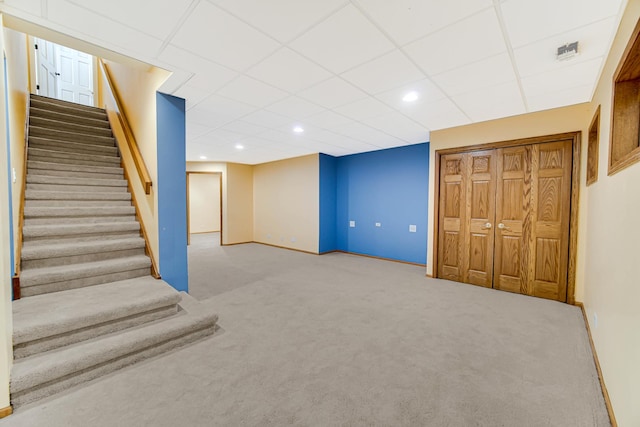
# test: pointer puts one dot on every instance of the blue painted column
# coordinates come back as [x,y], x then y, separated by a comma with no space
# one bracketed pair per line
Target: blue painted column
[172,191]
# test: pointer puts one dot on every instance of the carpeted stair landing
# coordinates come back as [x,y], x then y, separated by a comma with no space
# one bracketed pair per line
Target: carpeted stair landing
[90,305]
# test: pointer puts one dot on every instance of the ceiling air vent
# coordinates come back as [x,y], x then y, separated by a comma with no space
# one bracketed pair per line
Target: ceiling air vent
[567,51]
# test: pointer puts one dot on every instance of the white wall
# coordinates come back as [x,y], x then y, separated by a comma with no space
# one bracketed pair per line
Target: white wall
[6,325]
[612,253]
[204,202]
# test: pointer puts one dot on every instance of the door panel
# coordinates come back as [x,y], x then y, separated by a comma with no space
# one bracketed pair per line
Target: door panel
[480,207]
[452,217]
[467,197]
[550,229]
[512,201]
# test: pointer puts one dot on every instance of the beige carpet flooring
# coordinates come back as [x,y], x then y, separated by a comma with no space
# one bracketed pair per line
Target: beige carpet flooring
[342,340]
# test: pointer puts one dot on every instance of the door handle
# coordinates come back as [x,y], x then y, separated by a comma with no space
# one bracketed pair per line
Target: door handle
[501,226]
[488,225]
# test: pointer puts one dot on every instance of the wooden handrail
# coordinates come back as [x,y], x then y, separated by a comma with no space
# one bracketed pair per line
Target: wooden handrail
[18,260]
[141,168]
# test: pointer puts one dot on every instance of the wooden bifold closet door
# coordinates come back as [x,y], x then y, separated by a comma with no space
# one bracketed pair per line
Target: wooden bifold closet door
[504,218]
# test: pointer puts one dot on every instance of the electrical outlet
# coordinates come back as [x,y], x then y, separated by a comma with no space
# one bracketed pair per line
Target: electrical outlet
[595,320]
[413,228]
[352,224]
[13,174]
[378,224]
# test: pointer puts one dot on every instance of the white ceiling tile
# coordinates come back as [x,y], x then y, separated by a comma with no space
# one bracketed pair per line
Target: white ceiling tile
[332,93]
[528,21]
[490,103]
[222,38]
[540,56]
[204,117]
[560,98]
[363,133]
[220,136]
[364,109]
[195,130]
[426,90]
[282,19]
[266,119]
[391,70]
[209,75]
[400,127]
[295,107]
[191,94]
[327,119]
[466,41]
[576,74]
[344,141]
[243,127]
[344,40]
[158,20]
[252,92]
[176,80]
[407,20]
[288,71]
[487,72]
[32,7]
[217,111]
[439,114]
[96,27]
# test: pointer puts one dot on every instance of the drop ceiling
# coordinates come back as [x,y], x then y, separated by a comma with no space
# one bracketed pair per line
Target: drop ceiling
[253,70]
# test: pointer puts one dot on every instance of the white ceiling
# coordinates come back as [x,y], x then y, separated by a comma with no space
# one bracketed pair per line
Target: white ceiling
[252,70]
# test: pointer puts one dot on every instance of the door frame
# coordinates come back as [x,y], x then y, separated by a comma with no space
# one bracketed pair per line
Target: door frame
[575,138]
[189,205]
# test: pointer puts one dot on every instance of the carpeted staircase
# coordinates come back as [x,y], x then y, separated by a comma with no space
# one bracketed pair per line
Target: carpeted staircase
[90,305]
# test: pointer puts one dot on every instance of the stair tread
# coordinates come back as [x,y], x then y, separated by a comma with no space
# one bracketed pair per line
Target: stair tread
[31,194]
[30,251]
[39,276]
[42,165]
[68,118]
[83,307]
[62,180]
[59,211]
[61,125]
[115,159]
[64,135]
[58,363]
[45,230]
[62,145]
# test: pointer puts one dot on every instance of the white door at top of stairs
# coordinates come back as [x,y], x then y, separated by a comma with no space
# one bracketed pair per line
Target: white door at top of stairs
[64,73]
[46,70]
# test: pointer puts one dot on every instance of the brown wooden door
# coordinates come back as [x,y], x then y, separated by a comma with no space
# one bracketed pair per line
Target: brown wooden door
[504,218]
[467,197]
[532,215]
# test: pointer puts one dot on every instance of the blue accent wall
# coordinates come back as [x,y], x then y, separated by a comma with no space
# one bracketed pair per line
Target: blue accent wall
[389,187]
[172,190]
[328,210]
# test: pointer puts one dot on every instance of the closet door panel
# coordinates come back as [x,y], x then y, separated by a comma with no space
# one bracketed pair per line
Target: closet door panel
[481,190]
[452,220]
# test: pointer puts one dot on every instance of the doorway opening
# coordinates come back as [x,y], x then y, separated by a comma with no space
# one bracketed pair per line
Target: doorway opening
[64,73]
[204,204]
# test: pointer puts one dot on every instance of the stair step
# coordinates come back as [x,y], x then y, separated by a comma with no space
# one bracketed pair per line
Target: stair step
[57,249]
[54,156]
[66,274]
[61,230]
[104,219]
[72,147]
[31,212]
[75,195]
[62,180]
[47,123]
[68,118]
[85,313]
[60,252]
[76,188]
[65,107]
[70,136]
[45,374]
[44,203]
[48,168]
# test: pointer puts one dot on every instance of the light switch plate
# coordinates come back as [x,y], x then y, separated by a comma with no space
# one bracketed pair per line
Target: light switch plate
[413,228]
[378,224]
[352,224]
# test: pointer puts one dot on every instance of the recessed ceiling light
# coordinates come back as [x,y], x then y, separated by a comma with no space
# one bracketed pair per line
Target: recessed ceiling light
[239,147]
[298,129]
[410,97]
[203,157]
